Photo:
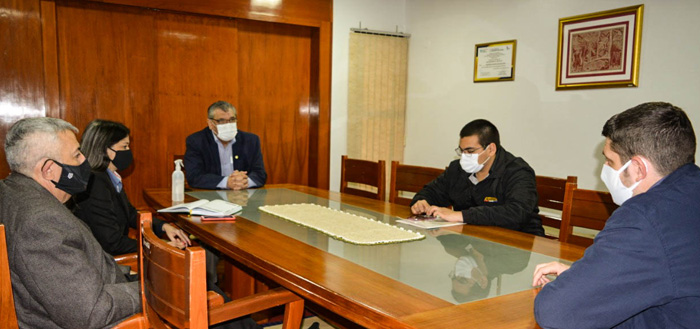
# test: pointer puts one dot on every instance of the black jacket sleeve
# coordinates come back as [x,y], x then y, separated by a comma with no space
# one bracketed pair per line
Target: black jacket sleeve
[108,214]
[436,192]
[134,218]
[517,199]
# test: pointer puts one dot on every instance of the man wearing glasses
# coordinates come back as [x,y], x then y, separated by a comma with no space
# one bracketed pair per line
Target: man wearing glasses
[486,186]
[221,156]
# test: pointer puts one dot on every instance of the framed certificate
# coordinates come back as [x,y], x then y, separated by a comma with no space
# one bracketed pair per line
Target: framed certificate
[600,50]
[494,61]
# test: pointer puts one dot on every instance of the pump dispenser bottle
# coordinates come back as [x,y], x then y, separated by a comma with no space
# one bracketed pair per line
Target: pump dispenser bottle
[178,182]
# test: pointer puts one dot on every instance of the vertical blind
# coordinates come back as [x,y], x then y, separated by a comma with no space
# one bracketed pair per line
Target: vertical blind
[378,66]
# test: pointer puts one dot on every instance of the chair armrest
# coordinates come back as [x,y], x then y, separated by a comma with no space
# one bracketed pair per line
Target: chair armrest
[252,304]
[136,321]
[131,260]
[214,299]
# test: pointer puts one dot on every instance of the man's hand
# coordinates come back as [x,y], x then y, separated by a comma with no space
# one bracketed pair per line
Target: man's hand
[445,213]
[541,270]
[238,197]
[238,180]
[420,207]
[178,238]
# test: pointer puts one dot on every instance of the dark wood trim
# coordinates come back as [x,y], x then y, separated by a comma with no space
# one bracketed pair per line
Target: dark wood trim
[296,12]
[50,49]
[324,103]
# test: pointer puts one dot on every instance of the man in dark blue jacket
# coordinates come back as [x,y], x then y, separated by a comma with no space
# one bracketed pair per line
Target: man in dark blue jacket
[221,156]
[643,269]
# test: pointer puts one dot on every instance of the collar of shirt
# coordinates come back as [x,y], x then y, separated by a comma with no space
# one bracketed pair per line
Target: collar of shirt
[474,180]
[116,180]
[225,155]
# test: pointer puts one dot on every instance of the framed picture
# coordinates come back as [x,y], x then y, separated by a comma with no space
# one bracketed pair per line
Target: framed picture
[494,61]
[600,49]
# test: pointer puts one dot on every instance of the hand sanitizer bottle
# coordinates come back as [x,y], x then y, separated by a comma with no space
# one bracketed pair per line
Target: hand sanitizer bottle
[178,182]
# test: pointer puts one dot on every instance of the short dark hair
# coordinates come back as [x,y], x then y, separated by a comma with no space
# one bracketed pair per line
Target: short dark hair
[220,105]
[658,131]
[487,132]
[98,136]
[476,292]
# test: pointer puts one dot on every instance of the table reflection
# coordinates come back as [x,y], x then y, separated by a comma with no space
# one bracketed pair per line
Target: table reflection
[454,267]
[478,264]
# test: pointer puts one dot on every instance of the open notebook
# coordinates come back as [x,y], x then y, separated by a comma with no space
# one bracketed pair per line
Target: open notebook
[206,208]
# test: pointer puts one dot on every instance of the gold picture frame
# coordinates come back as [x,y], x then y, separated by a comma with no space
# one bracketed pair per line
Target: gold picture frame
[495,61]
[600,50]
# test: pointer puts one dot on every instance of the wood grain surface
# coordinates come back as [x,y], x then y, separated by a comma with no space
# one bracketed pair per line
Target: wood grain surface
[357,293]
[157,65]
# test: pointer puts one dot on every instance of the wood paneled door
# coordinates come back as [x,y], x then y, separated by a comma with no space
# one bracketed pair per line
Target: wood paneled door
[157,71]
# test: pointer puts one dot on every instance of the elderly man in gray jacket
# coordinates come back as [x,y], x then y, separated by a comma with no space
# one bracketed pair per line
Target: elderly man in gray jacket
[61,277]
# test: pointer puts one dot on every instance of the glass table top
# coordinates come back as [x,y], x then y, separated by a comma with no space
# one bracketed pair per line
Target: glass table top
[454,267]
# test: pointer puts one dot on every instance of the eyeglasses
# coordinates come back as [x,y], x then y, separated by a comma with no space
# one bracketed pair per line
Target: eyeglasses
[225,121]
[468,150]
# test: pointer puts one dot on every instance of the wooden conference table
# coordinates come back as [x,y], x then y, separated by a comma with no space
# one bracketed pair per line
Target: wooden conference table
[406,285]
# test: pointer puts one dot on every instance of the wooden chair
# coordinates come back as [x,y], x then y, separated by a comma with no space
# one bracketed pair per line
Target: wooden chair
[130,259]
[174,294]
[584,208]
[363,172]
[551,192]
[8,316]
[410,179]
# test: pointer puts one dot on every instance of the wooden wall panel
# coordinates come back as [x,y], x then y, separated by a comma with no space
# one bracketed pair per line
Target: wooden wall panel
[157,71]
[298,12]
[50,50]
[274,95]
[107,57]
[197,65]
[320,109]
[21,67]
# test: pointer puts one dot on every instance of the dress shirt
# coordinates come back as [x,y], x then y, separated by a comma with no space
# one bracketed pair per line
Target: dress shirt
[227,163]
[116,179]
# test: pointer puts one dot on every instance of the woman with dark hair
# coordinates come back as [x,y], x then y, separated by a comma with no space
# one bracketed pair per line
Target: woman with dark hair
[108,212]
[104,206]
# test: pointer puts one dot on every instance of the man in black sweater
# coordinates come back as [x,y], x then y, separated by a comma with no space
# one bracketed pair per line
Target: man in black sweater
[486,186]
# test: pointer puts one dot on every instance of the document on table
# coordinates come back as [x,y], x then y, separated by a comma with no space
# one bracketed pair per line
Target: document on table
[206,207]
[427,222]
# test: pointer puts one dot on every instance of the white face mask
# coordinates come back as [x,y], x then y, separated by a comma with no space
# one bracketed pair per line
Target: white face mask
[611,177]
[227,131]
[464,267]
[470,162]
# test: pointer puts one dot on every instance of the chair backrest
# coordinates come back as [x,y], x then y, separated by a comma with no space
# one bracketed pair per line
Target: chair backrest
[363,172]
[173,283]
[174,291]
[551,194]
[8,315]
[410,179]
[584,208]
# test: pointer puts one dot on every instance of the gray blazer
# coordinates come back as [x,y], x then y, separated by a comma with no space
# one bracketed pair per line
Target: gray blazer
[61,277]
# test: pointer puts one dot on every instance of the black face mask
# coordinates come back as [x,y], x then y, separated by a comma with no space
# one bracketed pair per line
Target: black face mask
[122,159]
[74,179]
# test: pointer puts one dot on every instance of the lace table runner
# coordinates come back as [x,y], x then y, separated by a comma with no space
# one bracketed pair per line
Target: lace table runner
[342,225]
